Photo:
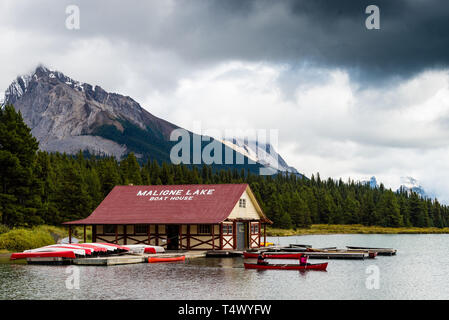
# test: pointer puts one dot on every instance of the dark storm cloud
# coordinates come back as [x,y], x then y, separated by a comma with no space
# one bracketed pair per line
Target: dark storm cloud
[414,34]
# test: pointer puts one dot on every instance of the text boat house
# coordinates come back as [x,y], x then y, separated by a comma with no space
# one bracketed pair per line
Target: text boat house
[179,217]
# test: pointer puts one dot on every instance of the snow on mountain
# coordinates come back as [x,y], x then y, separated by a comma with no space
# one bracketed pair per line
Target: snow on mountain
[410,184]
[259,152]
[372,182]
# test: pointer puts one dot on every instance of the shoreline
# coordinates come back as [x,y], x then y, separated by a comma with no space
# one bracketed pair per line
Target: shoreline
[324,229]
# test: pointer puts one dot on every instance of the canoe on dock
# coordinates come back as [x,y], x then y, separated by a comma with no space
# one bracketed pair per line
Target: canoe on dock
[274,255]
[168,259]
[54,254]
[337,255]
[319,266]
[371,254]
[296,245]
[379,251]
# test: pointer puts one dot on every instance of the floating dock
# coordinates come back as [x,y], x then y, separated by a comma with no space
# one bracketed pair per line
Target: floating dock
[379,251]
[132,259]
[224,253]
[337,255]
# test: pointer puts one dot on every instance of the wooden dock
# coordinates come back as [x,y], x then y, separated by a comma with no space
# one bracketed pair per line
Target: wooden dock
[224,253]
[379,251]
[132,259]
[337,255]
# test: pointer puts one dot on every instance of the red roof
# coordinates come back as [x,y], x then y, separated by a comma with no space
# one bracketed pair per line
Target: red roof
[174,204]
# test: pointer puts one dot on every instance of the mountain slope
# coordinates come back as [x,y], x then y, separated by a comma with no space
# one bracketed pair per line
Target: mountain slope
[66,115]
[261,153]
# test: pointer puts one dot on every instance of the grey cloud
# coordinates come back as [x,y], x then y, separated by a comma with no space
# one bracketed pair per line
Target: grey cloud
[414,34]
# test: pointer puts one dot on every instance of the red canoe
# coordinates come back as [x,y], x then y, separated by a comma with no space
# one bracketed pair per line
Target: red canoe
[56,254]
[248,255]
[150,250]
[168,259]
[319,266]
[91,246]
[88,252]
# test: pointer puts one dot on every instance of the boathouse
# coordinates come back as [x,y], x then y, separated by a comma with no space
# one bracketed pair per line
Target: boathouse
[179,217]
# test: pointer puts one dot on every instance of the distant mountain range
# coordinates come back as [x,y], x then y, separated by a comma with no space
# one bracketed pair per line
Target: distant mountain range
[408,184]
[66,115]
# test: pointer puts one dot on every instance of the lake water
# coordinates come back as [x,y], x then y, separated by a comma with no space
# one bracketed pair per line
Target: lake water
[418,271]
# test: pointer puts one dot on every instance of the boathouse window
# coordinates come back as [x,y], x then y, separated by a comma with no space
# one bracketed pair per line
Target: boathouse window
[255,228]
[227,229]
[141,229]
[204,229]
[109,229]
[242,203]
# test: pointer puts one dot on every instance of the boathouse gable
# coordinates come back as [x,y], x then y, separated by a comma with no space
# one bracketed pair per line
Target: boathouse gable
[179,217]
[246,209]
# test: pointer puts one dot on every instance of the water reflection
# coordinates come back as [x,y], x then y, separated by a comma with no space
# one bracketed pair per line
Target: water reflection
[417,272]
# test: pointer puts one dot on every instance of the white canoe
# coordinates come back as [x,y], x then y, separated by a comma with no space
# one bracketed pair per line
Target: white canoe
[102,245]
[75,251]
[70,246]
[157,249]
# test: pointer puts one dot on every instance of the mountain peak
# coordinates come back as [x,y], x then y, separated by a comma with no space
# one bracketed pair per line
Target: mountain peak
[67,115]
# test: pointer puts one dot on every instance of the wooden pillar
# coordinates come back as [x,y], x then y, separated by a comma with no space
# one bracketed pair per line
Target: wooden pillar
[188,237]
[70,233]
[149,234]
[124,233]
[260,227]
[213,237]
[84,233]
[180,237]
[264,234]
[116,234]
[221,235]
[157,234]
[94,233]
[234,235]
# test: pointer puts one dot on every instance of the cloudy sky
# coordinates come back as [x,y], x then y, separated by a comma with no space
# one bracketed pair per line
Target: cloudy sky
[348,101]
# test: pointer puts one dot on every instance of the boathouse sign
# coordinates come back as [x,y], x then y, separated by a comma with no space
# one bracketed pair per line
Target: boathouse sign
[174,195]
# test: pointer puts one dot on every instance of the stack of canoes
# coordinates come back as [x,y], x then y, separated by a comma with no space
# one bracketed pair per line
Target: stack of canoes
[66,252]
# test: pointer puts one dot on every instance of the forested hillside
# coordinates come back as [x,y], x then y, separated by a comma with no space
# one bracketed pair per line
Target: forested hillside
[38,187]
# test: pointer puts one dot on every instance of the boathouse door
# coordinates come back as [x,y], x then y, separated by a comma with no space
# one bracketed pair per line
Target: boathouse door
[241,235]
[172,236]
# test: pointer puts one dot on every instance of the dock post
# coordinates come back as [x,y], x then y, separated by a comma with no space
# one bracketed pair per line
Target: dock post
[84,233]
[70,233]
